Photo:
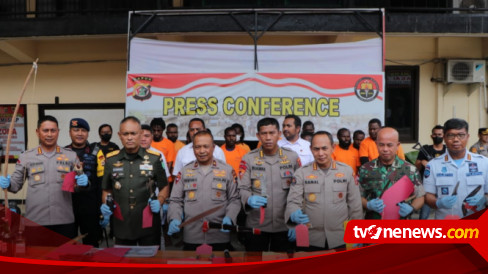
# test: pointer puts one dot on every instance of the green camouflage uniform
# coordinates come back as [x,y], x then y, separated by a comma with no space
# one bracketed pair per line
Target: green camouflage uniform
[375,178]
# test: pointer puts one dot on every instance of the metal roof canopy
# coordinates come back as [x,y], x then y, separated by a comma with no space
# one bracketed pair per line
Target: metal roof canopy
[256,22]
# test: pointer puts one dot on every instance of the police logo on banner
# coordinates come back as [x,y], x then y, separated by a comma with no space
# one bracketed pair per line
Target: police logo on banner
[366,89]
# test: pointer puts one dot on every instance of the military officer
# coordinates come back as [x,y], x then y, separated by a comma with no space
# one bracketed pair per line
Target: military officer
[377,176]
[327,193]
[265,175]
[132,176]
[457,181]
[202,185]
[45,168]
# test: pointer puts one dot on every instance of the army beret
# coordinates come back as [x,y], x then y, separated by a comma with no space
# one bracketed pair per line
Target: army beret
[79,123]
[483,130]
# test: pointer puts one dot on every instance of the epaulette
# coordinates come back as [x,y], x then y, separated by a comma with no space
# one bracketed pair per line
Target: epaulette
[288,149]
[150,151]
[113,153]
[254,150]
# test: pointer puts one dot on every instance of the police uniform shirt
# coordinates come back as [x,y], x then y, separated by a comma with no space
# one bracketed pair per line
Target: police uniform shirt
[133,179]
[301,147]
[199,188]
[269,176]
[186,155]
[479,148]
[328,198]
[46,202]
[442,174]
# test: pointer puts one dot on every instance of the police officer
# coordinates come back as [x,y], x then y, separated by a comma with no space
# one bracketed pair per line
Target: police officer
[481,147]
[86,204]
[265,175]
[45,168]
[377,176]
[324,195]
[132,176]
[457,181]
[202,185]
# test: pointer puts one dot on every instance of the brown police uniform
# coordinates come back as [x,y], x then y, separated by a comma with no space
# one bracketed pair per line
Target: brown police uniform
[133,178]
[329,198]
[198,189]
[269,176]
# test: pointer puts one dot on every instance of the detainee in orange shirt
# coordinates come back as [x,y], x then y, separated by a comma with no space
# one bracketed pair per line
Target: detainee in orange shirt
[345,152]
[163,144]
[368,150]
[233,153]
[172,134]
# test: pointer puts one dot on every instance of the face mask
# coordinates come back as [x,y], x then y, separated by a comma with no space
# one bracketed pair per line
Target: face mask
[437,140]
[106,137]
[238,138]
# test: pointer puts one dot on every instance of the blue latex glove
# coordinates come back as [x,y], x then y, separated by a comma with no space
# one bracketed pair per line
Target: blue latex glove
[299,217]
[173,227]
[292,235]
[405,209]
[226,221]
[376,205]
[446,202]
[81,180]
[4,182]
[357,245]
[13,210]
[477,200]
[155,205]
[106,212]
[256,201]
[165,208]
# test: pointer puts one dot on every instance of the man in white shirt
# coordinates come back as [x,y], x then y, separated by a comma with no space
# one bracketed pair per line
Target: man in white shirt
[186,155]
[291,130]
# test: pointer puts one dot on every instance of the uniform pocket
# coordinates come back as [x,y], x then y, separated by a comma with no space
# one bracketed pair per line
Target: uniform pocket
[312,192]
[190,192]
[219,191]
[256,184]
[286,178]
[445,186]
[339,191]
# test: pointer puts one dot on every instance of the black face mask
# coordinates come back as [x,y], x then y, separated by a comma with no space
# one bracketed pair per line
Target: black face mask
[437,140]
[106,137]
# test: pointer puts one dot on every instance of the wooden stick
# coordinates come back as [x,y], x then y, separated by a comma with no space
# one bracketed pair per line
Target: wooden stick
[11,130]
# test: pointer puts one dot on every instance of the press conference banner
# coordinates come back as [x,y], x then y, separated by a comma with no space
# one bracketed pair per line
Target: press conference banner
[333,85]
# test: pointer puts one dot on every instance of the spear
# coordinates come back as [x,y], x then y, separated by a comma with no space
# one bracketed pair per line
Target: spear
[10,131]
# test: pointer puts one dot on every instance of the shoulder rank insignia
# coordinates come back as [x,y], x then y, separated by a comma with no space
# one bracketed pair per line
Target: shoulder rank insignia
[150,151]
[113,153]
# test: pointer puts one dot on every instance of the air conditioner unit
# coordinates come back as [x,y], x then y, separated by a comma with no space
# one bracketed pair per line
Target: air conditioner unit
[469,4]
[465,71]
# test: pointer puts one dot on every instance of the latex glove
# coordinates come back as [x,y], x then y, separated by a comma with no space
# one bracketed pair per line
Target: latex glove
[292,235]
[155,205]
[174,227]
[299,217]
[376,205]
[226,221]
[256,201]
[405,209]
[81,180]
[477,200]
[13,210]
[106,213]
[4,182]
[165,208]
[357,245]
[446,202]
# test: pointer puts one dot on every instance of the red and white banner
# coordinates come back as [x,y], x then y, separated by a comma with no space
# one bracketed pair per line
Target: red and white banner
[341,82]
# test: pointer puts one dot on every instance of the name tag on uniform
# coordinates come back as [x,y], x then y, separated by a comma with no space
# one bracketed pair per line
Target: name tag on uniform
[146,167]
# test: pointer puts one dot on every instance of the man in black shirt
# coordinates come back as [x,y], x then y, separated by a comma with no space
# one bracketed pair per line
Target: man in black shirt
[86,204]
[433,151]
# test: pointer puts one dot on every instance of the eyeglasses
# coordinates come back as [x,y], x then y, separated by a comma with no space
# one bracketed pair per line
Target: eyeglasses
[460,136]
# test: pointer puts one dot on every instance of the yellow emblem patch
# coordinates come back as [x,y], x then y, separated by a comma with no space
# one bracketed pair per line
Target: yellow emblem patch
[220,173]
[219,185]
[257,183]
[191,195]
[312,197]
[311,176]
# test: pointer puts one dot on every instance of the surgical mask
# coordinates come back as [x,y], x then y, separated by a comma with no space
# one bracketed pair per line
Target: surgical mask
[437,140]
[106,137]
[238,138]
